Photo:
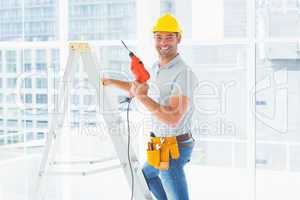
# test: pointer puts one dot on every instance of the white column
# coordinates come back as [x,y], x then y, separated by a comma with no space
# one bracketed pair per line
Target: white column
[184,13]
[63,19]
[251,132]
[147,14]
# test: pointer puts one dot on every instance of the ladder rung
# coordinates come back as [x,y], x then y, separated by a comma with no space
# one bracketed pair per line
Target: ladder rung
[85,173]
[82,161]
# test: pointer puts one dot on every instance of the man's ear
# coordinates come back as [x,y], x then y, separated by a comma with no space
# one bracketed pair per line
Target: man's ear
[178,37]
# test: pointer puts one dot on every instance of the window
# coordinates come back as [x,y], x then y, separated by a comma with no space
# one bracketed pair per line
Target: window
[75,99]
[13,137]
[11,56]
[11,83]
[27,123]
[11,98]
[0,61]
[27,67]
[27,112]
[55,55]
[90,124]
[28,98]
[37,30]
[12,123]
[2,139]
[40,55]
[27,55]
[40,135]
[42,111]
[41,83]
[29,136]
[11,68]
[27,83]
[41,67]
[102,20]
[41,98]
[74,124]
[13,111]
[42,124]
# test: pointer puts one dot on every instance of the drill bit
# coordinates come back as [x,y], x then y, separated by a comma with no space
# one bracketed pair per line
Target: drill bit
[125,46]
[130,52]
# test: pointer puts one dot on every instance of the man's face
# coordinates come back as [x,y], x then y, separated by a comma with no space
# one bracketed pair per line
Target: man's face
[166,43]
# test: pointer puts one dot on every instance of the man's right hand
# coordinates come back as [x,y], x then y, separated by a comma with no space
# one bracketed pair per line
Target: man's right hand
[106,81]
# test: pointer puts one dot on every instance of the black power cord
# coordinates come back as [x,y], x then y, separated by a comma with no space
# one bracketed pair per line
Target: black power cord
[128,100]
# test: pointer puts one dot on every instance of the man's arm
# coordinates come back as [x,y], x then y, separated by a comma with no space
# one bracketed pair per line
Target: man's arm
[169,114]
[124,85]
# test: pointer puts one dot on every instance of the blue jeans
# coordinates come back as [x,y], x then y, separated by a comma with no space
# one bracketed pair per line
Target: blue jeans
[170,184]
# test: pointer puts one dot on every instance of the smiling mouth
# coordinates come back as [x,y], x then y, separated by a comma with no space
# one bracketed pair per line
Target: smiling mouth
[164,49]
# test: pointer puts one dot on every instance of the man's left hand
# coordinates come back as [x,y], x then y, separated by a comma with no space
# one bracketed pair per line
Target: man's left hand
[139,89]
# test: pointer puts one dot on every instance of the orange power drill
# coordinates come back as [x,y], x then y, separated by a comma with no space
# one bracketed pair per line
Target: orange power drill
[137,67]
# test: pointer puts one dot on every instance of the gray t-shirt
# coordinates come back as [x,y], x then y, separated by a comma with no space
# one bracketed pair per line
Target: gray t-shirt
[172,79]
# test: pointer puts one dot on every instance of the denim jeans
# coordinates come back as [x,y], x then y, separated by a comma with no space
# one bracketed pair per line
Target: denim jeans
[170,184]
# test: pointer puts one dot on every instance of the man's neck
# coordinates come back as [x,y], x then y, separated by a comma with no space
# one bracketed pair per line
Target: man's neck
[165,60]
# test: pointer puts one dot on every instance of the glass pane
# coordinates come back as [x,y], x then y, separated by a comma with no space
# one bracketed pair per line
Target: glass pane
[32,20]
[115,58]
[11,20]
[215,19]
[22,107]
[41,20]
[277,18]
[219,122]
[277,124]
[102,20]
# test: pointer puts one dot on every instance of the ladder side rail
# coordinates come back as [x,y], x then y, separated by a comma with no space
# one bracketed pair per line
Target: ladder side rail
[56,118]
[116,128]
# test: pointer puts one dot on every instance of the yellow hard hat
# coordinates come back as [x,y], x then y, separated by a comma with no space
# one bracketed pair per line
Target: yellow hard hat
[167,23]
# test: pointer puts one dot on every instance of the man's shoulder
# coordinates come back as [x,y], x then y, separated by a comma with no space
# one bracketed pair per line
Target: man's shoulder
[182,67]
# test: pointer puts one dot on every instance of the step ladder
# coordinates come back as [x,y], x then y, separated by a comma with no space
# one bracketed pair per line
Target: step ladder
[116,127]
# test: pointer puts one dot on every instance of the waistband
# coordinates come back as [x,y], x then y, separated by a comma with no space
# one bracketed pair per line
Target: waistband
[184,137]
[179,138]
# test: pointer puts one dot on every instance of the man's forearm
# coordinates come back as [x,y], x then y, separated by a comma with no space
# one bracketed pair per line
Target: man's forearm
[164,114]
[124,85]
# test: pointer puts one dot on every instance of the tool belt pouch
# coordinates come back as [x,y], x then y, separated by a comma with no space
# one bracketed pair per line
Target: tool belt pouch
[153,158]
[173,146]
[153,154]
[162,148]
[164,156]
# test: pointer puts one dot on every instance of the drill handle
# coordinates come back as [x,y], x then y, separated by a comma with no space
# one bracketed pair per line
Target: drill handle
[138,70]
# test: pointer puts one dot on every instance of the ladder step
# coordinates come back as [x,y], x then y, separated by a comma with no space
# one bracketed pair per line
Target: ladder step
[84,173]
[83,161]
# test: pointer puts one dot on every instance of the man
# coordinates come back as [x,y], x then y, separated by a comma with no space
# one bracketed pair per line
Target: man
[172,111]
